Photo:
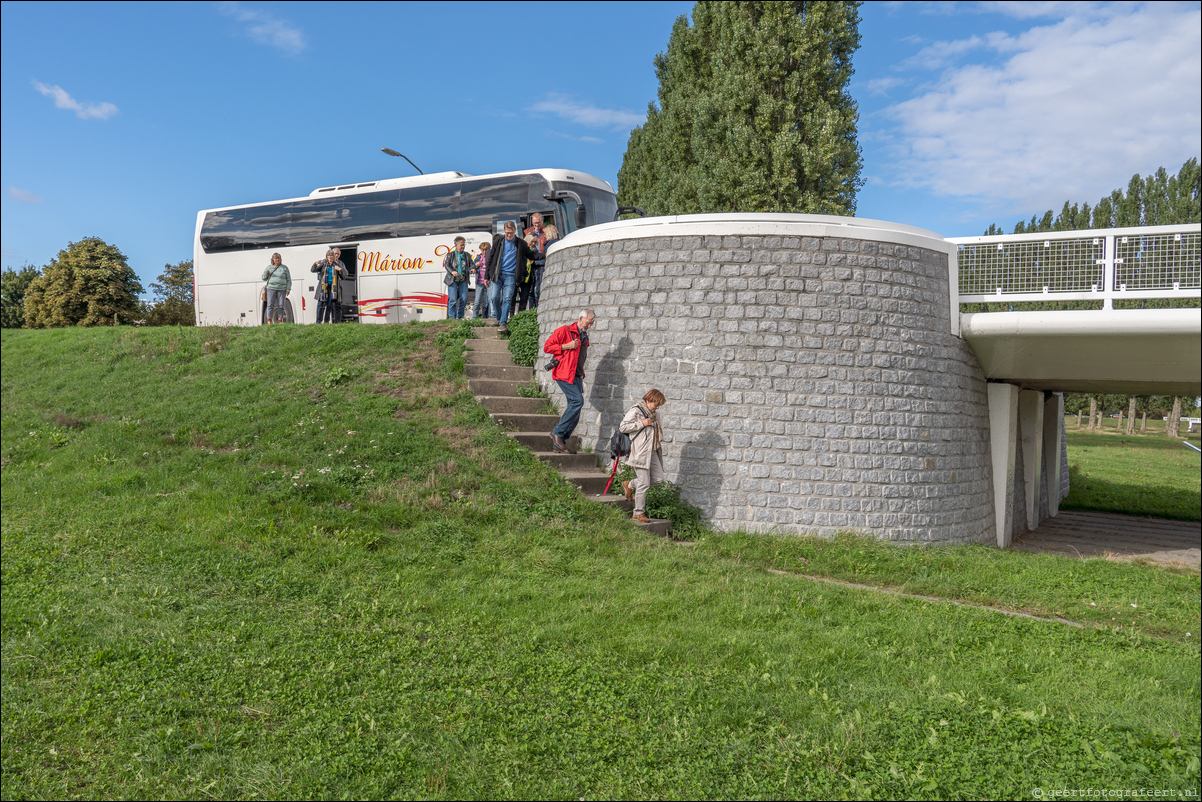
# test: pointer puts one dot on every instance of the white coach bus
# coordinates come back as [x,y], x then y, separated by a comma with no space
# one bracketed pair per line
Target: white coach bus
[393,235]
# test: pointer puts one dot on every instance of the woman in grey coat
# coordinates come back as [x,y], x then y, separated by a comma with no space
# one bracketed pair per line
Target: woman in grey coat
[646,452]
[279,285]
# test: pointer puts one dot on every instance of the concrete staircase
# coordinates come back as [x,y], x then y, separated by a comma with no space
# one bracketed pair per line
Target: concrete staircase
[494,379]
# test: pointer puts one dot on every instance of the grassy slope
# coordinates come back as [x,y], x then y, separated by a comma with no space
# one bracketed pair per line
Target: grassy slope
[1135,474]
[428,611]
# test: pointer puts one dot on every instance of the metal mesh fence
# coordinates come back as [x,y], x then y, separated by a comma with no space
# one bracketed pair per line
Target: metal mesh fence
[1157,262]
[1054,265]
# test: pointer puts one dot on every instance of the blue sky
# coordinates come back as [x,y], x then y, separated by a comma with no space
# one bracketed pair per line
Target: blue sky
[123,120]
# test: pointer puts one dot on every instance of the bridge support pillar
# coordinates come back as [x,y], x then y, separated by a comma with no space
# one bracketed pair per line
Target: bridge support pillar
[1053,430]
[1030,430]
[1003,437]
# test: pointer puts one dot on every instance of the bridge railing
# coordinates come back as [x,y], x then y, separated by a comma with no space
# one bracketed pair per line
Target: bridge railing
[1091,265]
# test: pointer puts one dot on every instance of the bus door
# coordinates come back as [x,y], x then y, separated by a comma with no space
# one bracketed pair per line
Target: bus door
[549,219]
[350,287]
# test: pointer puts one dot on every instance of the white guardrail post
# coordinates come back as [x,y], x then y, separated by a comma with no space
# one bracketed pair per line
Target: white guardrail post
[1108,262]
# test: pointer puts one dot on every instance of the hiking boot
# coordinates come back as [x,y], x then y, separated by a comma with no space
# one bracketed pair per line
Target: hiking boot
[638,516]
[558,445]
[628,490]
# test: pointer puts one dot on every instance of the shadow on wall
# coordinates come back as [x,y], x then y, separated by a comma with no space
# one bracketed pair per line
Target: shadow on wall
[607,391]
[699,469]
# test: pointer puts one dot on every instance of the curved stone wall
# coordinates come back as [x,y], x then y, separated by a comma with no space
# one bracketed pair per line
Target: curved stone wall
[814,383]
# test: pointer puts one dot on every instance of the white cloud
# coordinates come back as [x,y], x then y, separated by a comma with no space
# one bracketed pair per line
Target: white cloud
[941,54]
[23,195]
[1073,110]
[569,109]
[85,111]
[267,29]
[562,135]
[881,86]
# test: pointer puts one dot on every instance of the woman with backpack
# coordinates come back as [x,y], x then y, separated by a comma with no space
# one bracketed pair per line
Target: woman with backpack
[646,450]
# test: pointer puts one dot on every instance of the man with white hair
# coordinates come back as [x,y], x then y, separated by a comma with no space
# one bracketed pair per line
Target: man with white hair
[569,346]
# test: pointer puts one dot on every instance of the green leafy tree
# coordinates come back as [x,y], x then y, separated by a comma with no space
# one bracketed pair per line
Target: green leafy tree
[753,115]
[174,297]
[13,286]
[88,284]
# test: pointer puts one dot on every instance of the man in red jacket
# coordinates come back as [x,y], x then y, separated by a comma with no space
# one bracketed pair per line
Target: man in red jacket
[569,345]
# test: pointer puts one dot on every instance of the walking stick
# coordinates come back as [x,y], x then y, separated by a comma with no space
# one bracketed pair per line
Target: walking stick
[612,474]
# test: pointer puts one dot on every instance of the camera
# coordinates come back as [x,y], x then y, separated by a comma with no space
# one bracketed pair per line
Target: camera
[552,364]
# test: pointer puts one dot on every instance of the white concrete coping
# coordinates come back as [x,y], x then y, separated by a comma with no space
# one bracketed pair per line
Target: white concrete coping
[1092,323]
[757,225]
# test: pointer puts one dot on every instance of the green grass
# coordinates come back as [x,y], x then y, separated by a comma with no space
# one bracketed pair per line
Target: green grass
[300,561]
[1133,474]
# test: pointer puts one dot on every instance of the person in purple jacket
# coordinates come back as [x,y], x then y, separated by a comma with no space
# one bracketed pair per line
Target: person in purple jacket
[481,307]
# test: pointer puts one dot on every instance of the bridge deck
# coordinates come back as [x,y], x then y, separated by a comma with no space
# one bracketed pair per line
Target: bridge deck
[1098,534]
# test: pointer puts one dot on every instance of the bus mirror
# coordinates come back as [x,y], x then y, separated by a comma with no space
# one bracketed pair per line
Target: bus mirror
[580,217]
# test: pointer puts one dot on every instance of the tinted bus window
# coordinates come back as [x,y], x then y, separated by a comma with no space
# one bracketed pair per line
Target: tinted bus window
[316,221]
[482,202]
[267,226]
[370,216]
[223,231]
[599,207]
[428,210]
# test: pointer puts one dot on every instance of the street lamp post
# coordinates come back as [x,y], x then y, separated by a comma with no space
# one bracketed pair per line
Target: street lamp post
[392,152]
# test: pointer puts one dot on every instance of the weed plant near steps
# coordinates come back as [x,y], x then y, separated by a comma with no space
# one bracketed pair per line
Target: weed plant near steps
[523,338]
[230,570]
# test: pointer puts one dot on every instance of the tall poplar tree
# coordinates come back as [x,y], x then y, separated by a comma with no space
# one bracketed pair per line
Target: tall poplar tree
[753,115]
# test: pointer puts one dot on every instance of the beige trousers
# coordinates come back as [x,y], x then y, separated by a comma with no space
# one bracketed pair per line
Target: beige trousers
[644,478]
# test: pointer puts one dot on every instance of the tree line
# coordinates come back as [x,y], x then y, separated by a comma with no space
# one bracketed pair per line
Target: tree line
[90,283]
[1157,200]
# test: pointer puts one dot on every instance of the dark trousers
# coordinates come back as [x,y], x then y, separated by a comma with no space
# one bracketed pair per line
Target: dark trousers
[574,393]
[522,297]
[328,309]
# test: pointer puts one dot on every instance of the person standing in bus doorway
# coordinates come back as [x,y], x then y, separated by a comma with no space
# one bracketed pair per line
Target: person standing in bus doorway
[552,235]
[330,272]
[539,232]
[525,282]
[507,254]
[457,265]
[279,284]
[482,307]
[569,346]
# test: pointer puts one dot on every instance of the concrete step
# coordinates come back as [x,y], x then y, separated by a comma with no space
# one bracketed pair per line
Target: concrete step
[618,501]
[541,441]
[526,422]
[508,389]
[488,332]
[512,404]
[660,527]
[487,345]
[498,372]
[487,358]
[590,482]
[567,462]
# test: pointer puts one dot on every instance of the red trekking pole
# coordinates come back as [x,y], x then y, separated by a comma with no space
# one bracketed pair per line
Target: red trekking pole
[612,474]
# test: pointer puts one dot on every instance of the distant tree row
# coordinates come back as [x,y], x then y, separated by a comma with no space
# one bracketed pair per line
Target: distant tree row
[1158,200]
[1095,408]
[90,283]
